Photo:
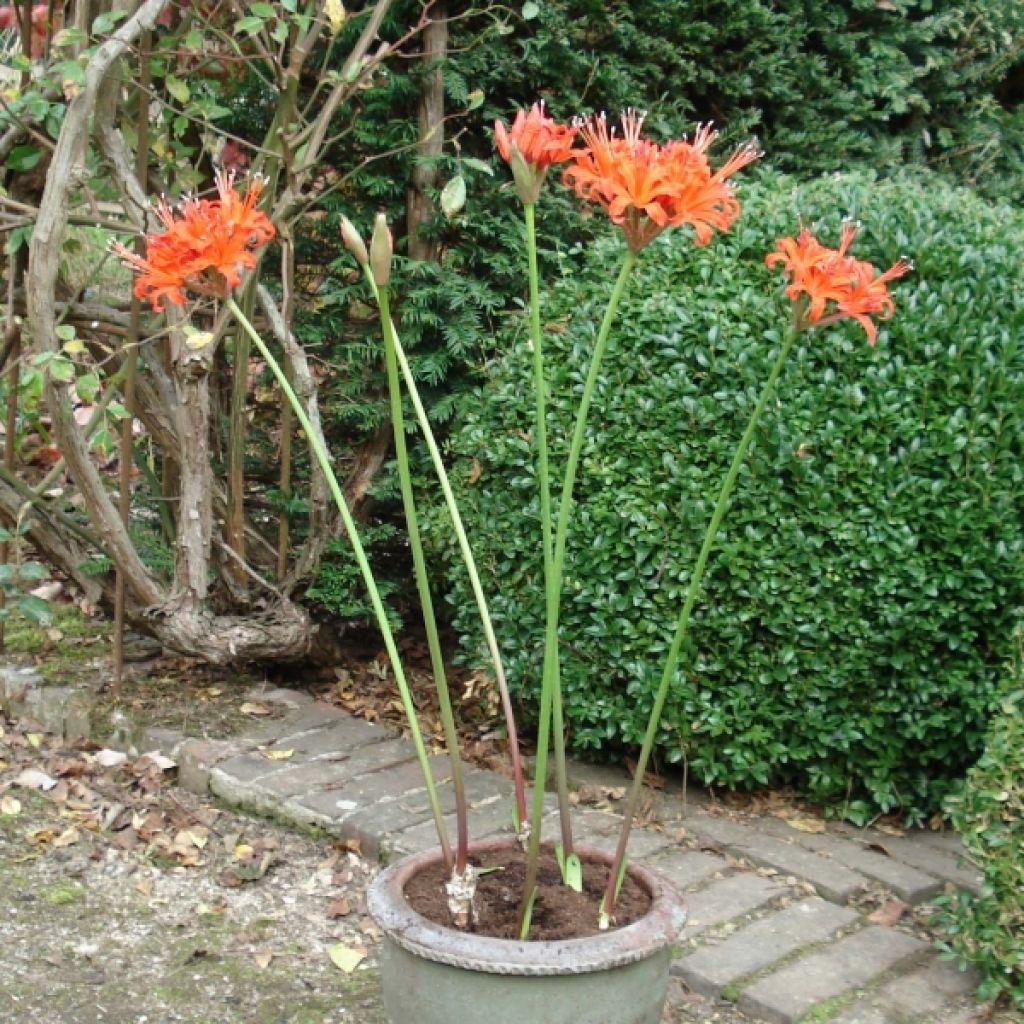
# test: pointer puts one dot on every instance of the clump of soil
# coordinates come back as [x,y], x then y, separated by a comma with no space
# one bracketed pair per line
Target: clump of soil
[558,911]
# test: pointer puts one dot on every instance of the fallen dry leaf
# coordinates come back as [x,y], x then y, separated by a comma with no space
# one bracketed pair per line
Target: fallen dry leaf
[278,755]
[890,830]
[806,824]
[339,908]
[346,958]
[257,708]
[10,806]
[34,739]
[154,759]
[68,837]
[110,758]
[32,778]
[889,913]
[263,958]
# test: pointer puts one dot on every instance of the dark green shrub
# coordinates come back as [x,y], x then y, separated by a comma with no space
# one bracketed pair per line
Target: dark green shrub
[988,930]
[854,615]
[821,83]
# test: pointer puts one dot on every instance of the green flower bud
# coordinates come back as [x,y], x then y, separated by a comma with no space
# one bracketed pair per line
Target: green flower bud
[380,251]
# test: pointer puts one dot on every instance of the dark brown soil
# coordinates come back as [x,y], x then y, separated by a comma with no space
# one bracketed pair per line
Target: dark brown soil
[558,912]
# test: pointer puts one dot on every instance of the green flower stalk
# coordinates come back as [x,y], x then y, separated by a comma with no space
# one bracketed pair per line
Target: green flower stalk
[380,262]
[323,459]
[825,286]
[355,245]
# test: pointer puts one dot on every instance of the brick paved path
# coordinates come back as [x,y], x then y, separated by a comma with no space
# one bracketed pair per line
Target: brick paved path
[774,925]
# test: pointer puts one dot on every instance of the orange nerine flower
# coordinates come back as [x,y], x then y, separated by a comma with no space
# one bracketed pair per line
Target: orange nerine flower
[204,248]
[646,187]
[835,285]
[541,140]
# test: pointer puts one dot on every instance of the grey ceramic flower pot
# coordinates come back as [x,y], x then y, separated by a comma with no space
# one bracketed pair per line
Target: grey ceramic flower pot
[437,975]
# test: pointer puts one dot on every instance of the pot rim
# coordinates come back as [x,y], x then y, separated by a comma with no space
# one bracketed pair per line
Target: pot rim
[657,929]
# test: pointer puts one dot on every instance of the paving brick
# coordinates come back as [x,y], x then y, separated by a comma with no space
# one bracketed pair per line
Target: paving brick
[252,780]
[338,738]
[761,944]
[602,831]
[380,772]
[488,818]
[687,868]
[376,819]
[865,1011]
[313,716]
[831,879]
[928,988]
[197,757]
[15,684]
[280,695]
[167,741]
[948,841]
[302,779]
[730,897]
[786,995]
[905,880]
[944,864]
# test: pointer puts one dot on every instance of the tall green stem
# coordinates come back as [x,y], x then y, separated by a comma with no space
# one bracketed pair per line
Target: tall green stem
[324,459]
[672,660]
[468,560]
[554,584]
[422,585]
[544,486]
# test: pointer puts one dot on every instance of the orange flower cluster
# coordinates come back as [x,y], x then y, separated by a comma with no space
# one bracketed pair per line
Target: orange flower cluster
[827,276]
[541,141]
[646,187]
[204,249]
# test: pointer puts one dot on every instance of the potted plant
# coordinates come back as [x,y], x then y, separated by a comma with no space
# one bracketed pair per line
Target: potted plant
[611,966]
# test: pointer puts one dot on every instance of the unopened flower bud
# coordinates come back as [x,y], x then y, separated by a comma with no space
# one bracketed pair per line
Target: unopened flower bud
[353,241]
[527,177]
[380,251]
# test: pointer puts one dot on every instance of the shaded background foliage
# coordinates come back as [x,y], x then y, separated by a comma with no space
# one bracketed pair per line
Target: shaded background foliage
[861,598]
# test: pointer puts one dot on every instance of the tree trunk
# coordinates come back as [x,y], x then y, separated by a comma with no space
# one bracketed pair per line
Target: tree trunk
[430,127]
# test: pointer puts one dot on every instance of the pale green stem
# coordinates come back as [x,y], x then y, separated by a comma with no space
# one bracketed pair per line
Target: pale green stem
[554,584]
[468,560]
[451,737]
[324,459]
[672,660]
[551,593]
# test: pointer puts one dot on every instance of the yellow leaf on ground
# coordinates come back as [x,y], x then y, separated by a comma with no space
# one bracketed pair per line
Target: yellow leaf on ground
[346,958]
[806,824]
[11,806]
[263,957]
[34,739]
[278,755]
[243,851]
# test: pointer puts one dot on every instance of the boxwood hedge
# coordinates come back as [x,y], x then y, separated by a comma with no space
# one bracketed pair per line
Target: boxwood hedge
[987,930]
[858,605]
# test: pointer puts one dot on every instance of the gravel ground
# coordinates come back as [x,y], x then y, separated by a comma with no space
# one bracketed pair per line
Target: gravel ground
[126,901]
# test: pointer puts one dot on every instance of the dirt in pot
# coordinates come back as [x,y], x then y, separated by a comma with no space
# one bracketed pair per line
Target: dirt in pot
[558,912]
